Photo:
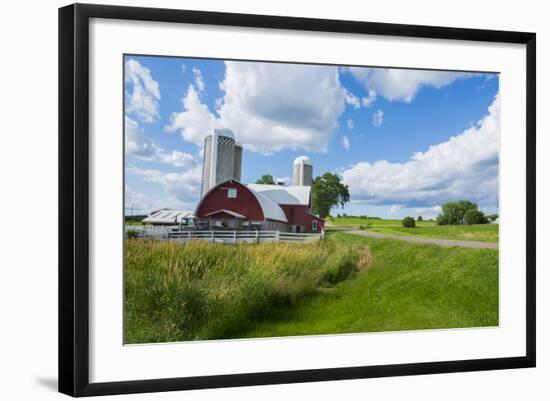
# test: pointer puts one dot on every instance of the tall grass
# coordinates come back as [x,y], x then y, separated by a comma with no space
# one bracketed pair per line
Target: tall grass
[176,292]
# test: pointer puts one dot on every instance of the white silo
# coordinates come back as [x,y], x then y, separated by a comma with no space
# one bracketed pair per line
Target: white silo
[302,174]
[222,159]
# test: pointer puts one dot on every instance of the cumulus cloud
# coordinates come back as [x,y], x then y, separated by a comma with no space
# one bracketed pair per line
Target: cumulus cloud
[378,118]
[269,106]
[199,81]
[345,142]
[137,144]
[135,141]
[367,101]
[184,187]
[464,167]
[142,99]
[402,84]
[195,122]
[353,100]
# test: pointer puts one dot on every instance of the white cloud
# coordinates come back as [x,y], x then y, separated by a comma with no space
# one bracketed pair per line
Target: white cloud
[137,144]
[378,118]
[367,101]
[199,81]
[401,84]
[464,167]
[395,208]
[183,187]
[269,106]
[136,202]
[135,141]
[143,98]
[195,122]
[353,100]
[345,142]
[350,124]
[183,68]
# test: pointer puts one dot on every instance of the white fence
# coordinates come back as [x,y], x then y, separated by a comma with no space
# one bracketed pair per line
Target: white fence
[225,236]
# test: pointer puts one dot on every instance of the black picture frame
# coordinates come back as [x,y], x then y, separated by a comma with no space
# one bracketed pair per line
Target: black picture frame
[74,198]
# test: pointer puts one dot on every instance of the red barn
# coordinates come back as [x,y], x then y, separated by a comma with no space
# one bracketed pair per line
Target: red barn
[234,205]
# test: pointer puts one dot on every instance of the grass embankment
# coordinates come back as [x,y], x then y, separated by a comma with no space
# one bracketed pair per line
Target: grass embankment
[426,229]
[176,292]
[406,287]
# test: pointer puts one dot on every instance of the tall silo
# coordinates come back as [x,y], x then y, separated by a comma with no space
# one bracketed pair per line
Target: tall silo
[302,174]
[237,165]
[221,159]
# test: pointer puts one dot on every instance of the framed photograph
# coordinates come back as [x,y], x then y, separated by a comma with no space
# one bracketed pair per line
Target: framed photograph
[250,199]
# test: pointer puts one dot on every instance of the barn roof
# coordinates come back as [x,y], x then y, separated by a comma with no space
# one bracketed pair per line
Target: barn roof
[167,216]
[270,208]
[284,195]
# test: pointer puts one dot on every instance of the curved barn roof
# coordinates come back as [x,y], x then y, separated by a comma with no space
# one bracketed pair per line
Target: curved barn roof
[270,209]
[289,195]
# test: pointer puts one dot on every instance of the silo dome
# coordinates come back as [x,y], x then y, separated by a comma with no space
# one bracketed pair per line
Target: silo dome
[304,160]
[302,172]
[225,132]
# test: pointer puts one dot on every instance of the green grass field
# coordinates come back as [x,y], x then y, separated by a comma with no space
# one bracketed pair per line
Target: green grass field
[176,292]
[345,284]
[427,229]
[406,287]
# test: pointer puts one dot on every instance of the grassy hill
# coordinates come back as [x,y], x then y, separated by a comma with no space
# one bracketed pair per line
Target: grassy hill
[427,229]
[406,287]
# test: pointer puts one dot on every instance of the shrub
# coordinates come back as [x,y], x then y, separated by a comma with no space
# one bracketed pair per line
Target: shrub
[132,234]
[408,222]
[419,218]
[475,217]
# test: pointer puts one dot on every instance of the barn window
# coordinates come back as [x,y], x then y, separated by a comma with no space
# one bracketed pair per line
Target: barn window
[314,225]
[232,192]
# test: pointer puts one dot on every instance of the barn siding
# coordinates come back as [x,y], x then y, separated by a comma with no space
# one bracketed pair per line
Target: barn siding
[245,203]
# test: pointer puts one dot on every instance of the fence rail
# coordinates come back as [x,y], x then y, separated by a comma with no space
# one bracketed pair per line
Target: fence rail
[222,236]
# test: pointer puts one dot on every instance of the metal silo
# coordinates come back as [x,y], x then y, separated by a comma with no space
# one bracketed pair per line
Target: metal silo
[237,165]
[219,159]
[302,174]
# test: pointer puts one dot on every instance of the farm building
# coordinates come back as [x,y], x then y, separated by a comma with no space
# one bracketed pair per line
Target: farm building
[234,205]
[168,217]
[227,203]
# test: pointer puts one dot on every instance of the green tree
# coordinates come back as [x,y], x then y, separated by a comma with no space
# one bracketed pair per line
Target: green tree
[493,217]
[475,217]
[453,212]
[327,191]
[419,218]
[266,179]
[408,222]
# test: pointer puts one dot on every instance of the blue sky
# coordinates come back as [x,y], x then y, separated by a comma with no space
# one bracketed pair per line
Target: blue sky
[404,141]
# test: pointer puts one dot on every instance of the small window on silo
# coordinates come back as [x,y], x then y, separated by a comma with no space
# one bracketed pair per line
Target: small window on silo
[232,192]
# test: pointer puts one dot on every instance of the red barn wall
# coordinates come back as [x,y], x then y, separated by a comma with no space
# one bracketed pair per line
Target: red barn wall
[299,215]
[245,203]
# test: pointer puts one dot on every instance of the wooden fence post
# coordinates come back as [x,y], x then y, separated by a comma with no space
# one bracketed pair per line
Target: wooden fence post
[235,236]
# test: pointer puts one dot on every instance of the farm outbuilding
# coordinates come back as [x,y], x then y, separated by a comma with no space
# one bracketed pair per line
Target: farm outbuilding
[168,217]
